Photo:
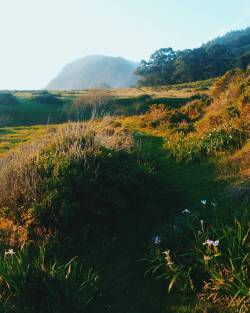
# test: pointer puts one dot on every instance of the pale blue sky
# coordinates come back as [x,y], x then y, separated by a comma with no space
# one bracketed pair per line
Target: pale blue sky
[38,37]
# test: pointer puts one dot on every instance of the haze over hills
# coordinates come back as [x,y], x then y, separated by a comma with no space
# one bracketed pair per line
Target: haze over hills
[95,71]
[220,54]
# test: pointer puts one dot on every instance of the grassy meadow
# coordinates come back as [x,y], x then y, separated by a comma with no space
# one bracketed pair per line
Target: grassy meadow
[142,207]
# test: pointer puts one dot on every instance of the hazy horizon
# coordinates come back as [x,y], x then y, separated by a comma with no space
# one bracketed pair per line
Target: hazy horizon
[40,37]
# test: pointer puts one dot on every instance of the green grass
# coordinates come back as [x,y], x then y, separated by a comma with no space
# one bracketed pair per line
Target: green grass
[116,253]
[27,110]
[12,137]
[119,257]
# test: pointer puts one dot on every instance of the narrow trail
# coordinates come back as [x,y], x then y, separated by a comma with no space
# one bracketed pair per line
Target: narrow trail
[124,289]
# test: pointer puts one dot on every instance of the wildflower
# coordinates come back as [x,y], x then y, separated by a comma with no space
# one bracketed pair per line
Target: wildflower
[9,252]
[213,204]
[186,211]
[216,243]
[211,243]
[157,240]
[204,202]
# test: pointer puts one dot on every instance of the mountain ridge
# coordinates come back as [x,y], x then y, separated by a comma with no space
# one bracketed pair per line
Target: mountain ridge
[93,71]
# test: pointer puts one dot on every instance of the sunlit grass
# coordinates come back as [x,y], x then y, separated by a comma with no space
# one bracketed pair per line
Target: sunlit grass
[12,137]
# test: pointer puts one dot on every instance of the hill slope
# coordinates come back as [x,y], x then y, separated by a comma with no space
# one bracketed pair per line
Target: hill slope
[95,71]
[238,41]
[213,59]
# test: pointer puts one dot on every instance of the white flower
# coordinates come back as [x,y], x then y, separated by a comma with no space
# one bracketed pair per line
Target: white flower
[9,252]
[213,204]
[157,240]
[186,211]
[211,243]
[204,202]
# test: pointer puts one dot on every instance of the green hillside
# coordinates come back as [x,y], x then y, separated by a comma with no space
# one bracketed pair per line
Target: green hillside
[158,203]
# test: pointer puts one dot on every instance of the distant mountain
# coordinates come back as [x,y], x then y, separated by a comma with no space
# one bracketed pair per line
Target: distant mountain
[95,71]
[238,41]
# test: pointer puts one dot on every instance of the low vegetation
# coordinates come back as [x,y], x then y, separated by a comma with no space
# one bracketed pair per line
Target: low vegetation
[143,213]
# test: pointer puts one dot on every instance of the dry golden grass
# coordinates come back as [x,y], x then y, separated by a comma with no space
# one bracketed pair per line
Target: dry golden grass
[21,178]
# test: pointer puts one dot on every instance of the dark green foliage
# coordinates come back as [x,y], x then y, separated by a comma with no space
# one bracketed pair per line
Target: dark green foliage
[225,138]
[236,40]
[205,251]
[245,60]
[32,282]
[166,66]
[154,124]
[7,98]
[213,59]
[46,97]
[233,112]
[29,112]
[79,192]
[178,117]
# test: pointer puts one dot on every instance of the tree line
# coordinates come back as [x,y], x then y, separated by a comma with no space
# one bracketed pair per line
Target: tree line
[167,66]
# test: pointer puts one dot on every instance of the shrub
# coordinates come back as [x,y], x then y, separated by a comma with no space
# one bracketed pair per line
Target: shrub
[47,98]
[192,148]
[7,98]
[154,124]
[233,112]
[226,138]
[69,179]
[178,117]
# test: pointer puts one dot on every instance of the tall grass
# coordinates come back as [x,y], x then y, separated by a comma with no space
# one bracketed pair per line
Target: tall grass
[31,282]
[206,253]
[44,180]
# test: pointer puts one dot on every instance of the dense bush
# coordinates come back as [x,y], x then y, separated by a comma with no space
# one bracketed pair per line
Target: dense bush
[47,98]
[7,98]
[192,148]
[79,176]
[226,138]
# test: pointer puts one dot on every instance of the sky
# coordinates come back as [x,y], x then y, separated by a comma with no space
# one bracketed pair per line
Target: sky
[38,37]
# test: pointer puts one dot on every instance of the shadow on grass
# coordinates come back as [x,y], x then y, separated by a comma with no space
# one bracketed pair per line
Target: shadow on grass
[117,255]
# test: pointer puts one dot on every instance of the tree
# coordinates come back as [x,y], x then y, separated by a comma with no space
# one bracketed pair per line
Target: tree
[167,66]
[157,71]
